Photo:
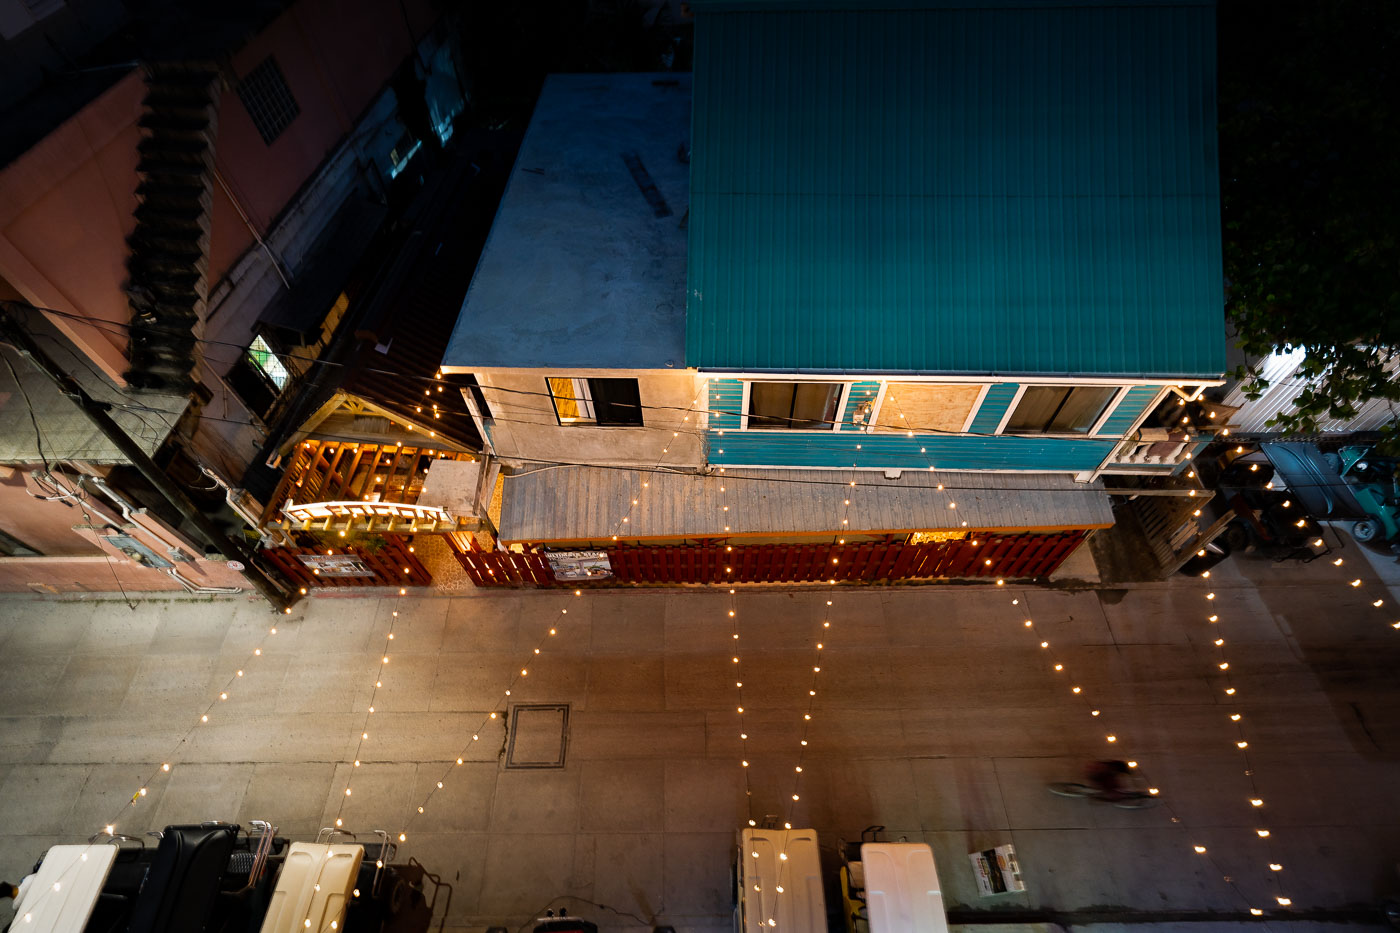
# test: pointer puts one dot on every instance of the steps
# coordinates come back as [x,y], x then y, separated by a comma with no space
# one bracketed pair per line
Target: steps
[167,268]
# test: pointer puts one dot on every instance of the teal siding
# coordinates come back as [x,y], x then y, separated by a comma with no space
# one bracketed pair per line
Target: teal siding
[860,392]
[993,408]
[956,190]
[1129,410]
[726,403]
[896,452]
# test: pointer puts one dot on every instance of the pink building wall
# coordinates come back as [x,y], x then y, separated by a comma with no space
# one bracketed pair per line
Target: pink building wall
[77,559]
[66,205]
[65,212]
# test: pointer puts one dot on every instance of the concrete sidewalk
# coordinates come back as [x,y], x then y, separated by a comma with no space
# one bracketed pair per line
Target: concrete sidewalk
[937,715]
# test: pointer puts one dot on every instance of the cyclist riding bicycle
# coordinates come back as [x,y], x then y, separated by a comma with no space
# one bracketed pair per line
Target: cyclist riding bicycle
[1107,778]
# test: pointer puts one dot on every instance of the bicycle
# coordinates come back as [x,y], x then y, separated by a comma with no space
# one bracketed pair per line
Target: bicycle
[1123,799]
[1112,782]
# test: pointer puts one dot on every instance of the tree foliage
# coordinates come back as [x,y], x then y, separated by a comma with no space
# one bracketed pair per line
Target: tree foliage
[1310,185]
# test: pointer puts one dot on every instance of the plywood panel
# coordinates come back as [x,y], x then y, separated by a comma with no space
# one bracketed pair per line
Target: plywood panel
[923,407]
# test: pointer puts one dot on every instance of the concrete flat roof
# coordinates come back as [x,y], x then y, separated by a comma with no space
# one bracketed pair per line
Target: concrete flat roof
[585,265]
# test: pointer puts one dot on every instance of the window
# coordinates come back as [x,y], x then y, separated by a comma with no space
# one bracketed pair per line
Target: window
[264,359]
[596,401]
[259,377]
[268,100]
[926,406]
[1059,409]
[406,148]
[793,406]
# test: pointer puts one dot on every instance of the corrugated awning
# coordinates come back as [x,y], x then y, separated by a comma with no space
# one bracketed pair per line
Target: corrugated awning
[589,503]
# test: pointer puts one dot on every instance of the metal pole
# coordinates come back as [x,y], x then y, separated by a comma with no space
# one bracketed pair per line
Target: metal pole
[274,590]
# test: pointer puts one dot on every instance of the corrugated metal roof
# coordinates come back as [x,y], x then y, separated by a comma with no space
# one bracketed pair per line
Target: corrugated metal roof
[1285,385]
[956,190]
[588,503]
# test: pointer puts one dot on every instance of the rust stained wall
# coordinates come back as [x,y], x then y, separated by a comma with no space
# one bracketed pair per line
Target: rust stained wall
[47,527]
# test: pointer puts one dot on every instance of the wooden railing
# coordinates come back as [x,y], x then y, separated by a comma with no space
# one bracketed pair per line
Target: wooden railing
[985,556]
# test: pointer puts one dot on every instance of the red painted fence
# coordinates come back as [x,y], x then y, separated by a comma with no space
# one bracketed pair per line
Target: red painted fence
[1012,555]
[393,564]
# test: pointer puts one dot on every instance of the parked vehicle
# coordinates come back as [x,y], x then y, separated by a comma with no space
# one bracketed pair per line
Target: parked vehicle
[1375,481]
[215,878]
[778,881]
[1265,514]
[891,887]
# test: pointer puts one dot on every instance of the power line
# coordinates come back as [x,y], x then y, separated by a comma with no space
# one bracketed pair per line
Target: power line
[121,330]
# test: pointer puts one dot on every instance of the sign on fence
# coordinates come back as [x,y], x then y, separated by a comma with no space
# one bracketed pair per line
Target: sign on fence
[336,565]
[579,565]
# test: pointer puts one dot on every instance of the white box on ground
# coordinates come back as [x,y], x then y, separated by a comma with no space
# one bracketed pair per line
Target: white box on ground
[997,871]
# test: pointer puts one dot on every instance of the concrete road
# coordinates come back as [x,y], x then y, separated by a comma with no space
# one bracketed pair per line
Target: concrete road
[937,714]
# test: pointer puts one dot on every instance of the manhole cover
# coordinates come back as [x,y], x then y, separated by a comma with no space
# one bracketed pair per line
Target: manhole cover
[539,735]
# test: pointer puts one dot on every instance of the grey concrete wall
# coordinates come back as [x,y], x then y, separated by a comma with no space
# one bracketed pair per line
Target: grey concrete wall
[526,428]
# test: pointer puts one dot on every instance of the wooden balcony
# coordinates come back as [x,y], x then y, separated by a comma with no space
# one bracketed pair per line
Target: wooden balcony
[341,473]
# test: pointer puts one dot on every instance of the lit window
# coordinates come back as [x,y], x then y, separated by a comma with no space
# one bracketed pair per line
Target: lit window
[405,149]
[1059,409]
[267,362]
[596,401]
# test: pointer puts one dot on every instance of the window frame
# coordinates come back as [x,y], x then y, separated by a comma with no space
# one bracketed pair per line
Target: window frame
[265,84]
[271,377]
[842,400]
[1113,402]
[584,398]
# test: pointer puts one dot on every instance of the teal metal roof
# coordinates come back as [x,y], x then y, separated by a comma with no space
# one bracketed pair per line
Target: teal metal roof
[954,190]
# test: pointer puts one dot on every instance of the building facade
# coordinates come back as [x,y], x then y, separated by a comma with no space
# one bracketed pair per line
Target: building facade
[184,235]
[948,257]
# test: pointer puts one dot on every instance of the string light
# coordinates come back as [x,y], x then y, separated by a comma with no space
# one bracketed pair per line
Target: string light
[553,629]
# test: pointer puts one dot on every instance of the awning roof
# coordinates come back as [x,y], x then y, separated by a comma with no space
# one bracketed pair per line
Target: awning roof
[588,503]
[959,190]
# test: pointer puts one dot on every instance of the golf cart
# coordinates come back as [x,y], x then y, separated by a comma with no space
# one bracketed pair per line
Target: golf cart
[1353,484]
[778,882]
[890,887]
[215,878]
